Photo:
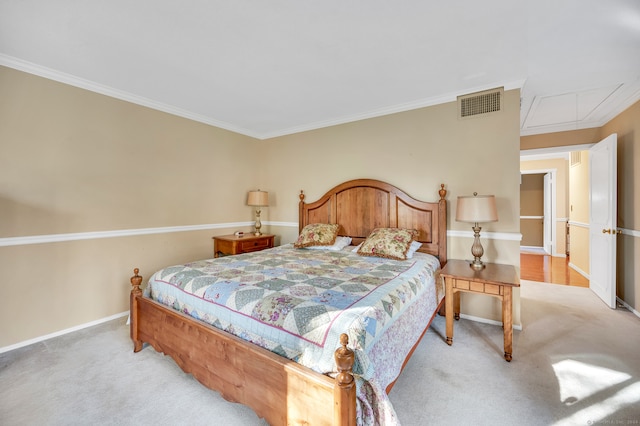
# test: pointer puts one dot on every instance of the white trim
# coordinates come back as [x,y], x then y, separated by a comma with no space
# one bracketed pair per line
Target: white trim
[580,271]
[579,224]
[488,321]
[630,232]
[563,127]
[62,332]
[626,305]
[562,219]
[538,171]
[507,236]
[409,106]
[31,68]
[285,224]
[533,248]
[72,80]
[55,238]
[78,236]
[553,152]
[531,217]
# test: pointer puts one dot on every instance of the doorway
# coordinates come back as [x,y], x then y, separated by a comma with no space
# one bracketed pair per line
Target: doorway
[538,211]
[549,169]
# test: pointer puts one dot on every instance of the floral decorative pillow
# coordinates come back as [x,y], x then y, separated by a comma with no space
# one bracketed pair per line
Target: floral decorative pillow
[392,243]
[317,234]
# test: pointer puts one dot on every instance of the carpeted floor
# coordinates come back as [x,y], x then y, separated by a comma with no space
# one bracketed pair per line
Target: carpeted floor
[576,362]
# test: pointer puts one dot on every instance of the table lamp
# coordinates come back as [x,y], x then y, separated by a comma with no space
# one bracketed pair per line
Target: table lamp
[476,209]
[258,199]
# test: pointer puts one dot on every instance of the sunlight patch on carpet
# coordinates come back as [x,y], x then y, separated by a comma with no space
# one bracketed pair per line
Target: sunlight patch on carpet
[578,381]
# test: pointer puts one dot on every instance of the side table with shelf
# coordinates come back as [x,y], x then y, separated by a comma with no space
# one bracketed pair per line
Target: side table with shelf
[493,280]
[225,245]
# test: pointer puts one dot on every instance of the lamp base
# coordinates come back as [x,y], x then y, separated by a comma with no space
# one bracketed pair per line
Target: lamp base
[258,224]
[476,249]
[477,265]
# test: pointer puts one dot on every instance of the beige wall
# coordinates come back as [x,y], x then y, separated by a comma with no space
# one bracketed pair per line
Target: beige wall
[78,162]
[532,204]
[574,137]
[627,126]
[74,161]
[416,151]
[579,214]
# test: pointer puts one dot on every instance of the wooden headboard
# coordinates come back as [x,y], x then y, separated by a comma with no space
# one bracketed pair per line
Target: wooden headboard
[361,205]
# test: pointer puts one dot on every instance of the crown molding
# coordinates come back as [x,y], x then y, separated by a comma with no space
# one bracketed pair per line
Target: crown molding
[61,77]
[409,106]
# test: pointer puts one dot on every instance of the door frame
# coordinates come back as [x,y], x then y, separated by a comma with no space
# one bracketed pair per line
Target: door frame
[552,153]
[550,197]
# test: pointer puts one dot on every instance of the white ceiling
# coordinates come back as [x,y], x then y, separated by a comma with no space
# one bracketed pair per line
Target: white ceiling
[269,68]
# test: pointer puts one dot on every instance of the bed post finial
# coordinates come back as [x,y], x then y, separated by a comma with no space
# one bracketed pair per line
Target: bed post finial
[344,393]
[301,195]
[442,192]
[136,280]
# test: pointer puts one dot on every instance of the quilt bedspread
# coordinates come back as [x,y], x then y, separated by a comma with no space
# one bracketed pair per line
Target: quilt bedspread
[297,302]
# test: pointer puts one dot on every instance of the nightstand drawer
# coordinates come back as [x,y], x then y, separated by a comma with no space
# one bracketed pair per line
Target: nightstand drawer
[225,245]
[461,284]
[247,246]
[493,289]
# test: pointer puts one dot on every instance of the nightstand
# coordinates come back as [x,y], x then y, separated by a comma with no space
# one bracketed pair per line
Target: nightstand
[493,280]
[224,245]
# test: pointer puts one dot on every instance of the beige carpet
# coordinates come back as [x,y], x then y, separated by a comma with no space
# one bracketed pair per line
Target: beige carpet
[576,362]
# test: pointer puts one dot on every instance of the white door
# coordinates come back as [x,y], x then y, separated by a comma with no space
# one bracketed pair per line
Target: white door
[602,222]
[547,236]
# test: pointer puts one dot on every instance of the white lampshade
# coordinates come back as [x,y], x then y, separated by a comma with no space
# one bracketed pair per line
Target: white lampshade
[258,198]
[476,208]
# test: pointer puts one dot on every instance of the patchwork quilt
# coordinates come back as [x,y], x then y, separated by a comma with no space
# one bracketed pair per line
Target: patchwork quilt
[297,302]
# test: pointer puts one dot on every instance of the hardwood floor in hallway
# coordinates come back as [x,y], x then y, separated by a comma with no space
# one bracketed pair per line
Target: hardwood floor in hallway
[549,269]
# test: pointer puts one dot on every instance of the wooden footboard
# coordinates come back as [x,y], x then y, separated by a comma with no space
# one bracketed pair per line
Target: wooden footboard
[277,389]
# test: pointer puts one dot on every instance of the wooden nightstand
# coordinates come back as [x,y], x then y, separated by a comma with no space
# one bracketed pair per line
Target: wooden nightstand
[494,280]
[224,245]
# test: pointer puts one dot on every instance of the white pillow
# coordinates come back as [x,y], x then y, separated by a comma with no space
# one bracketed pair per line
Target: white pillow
[339,244]
[415,245]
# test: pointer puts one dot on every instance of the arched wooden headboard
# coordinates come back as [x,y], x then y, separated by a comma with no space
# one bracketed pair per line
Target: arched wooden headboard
[361,205]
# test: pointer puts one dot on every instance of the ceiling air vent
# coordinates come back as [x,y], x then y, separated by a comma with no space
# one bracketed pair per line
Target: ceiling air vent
[480,103]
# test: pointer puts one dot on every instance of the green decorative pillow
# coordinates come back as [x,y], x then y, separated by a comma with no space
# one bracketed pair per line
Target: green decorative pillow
[392,243]
[317,234]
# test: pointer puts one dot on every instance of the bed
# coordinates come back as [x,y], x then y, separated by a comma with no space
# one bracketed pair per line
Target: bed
[285,382]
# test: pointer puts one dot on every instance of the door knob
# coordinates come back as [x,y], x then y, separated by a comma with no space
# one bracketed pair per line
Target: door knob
[606,231]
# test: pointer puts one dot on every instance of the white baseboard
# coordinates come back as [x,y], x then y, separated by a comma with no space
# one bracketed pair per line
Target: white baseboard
[488,321]
[629,308]
[62,332]
[578,270]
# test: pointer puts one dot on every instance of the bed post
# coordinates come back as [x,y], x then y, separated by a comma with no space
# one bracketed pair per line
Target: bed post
[442,226]
[344,392]
[136,280]
[301,211]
